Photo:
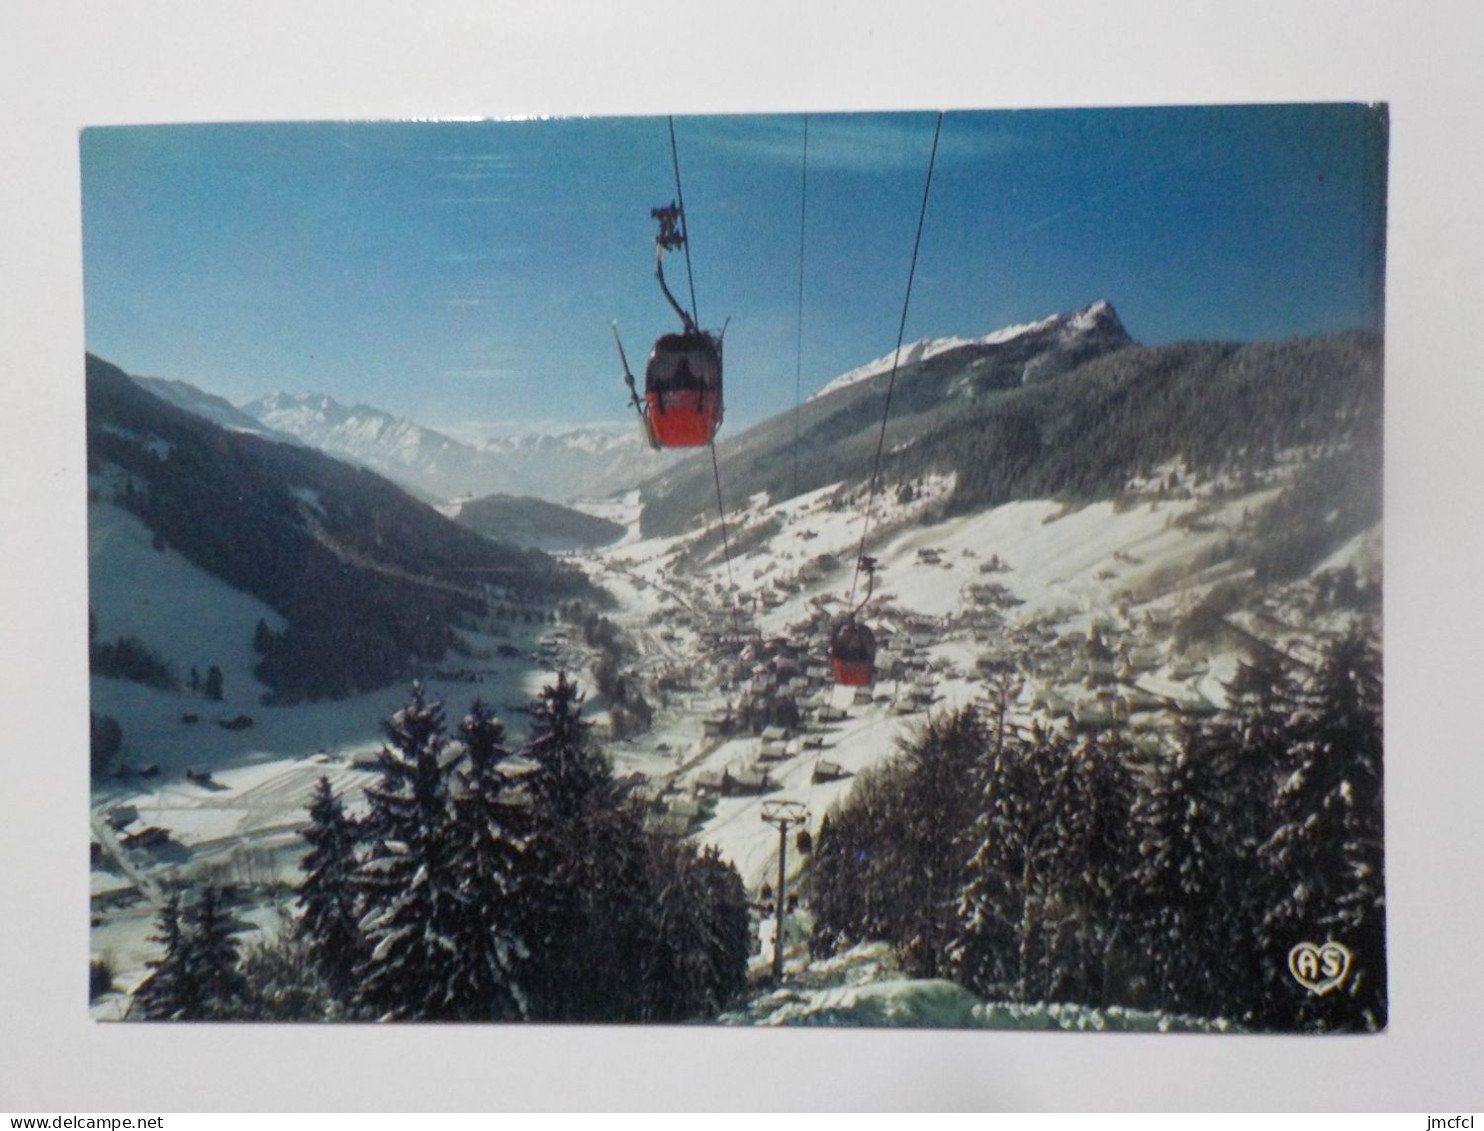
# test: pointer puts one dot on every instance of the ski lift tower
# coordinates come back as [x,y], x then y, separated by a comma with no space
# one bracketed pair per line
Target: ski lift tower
[784,815]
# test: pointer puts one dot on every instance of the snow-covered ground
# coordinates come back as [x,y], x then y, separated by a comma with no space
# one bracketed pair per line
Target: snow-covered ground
[1034,580]
[863,987]
[239,823]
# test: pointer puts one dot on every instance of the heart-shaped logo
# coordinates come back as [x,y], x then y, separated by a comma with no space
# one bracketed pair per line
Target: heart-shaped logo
[1319,969]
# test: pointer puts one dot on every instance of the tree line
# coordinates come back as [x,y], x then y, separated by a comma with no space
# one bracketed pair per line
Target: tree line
[1041,866]
[482,884]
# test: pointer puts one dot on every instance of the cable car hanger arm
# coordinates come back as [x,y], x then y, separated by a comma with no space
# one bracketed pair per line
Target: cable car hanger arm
[671,235]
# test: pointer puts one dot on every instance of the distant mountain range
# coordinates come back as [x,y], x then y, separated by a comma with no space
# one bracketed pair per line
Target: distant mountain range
[569,463]
[554,466]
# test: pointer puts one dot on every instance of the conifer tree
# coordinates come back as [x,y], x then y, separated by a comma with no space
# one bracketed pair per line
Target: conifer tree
[938,811]
[197,978]
[697,944]
[1195,879]
[408,881]
[168,993]
[587,905]
[488,834]
[1090,943]
[212,956]
[986,952]
[1324,858]
[329,925]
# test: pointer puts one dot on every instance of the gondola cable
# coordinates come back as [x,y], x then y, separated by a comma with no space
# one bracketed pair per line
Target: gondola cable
[690,279]
[799,337]
[721,511]
[852,644]
[895,362]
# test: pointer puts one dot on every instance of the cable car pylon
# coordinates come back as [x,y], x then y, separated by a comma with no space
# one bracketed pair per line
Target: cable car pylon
[783,815]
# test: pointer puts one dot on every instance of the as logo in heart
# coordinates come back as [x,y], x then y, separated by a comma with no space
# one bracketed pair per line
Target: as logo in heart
[1319,969]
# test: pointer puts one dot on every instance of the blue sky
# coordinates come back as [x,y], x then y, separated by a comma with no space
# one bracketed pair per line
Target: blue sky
[464,274]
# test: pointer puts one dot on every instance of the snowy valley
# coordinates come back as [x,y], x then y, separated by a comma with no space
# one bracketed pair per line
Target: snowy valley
[1130,610]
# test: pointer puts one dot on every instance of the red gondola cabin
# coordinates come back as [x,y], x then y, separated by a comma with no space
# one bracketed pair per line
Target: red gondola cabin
[682,390]
[853,654]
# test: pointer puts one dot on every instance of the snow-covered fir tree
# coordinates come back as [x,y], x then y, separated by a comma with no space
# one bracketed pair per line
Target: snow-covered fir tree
[167,994]
[213,955]
[409,882]
[1324,856]
[1075,942]
[695,957]
[330,924]
[1195,881]
[197,978]
[488,835]
[986,951]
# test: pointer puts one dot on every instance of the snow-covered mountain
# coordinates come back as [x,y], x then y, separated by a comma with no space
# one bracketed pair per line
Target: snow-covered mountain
[939,383]
[1092,329]
[555,465]
[209,406]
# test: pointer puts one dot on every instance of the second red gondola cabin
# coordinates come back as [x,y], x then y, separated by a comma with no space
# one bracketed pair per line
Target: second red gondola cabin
[853,654]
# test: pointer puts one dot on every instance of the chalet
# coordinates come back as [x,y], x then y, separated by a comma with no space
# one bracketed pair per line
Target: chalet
[1186,668]
[1193,706]
[1057,705]
[772,750]
[151,836]
[1143,658]
[686,807]
[649,795]
[201,775]
[1093,714]
[1100,672]
[716,726]
[121,816]
[708,781]
[990,664]
[747,780]
[828,771]
[922,692]
[1137,701]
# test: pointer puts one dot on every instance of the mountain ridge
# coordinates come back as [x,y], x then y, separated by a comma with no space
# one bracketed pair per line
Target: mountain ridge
[370,581]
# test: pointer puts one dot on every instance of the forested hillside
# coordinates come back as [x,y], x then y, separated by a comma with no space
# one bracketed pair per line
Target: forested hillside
[535,522]
[370,581]
[1079,432]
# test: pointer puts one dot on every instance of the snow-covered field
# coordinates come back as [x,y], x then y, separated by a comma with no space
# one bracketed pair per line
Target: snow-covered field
[1023,578]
